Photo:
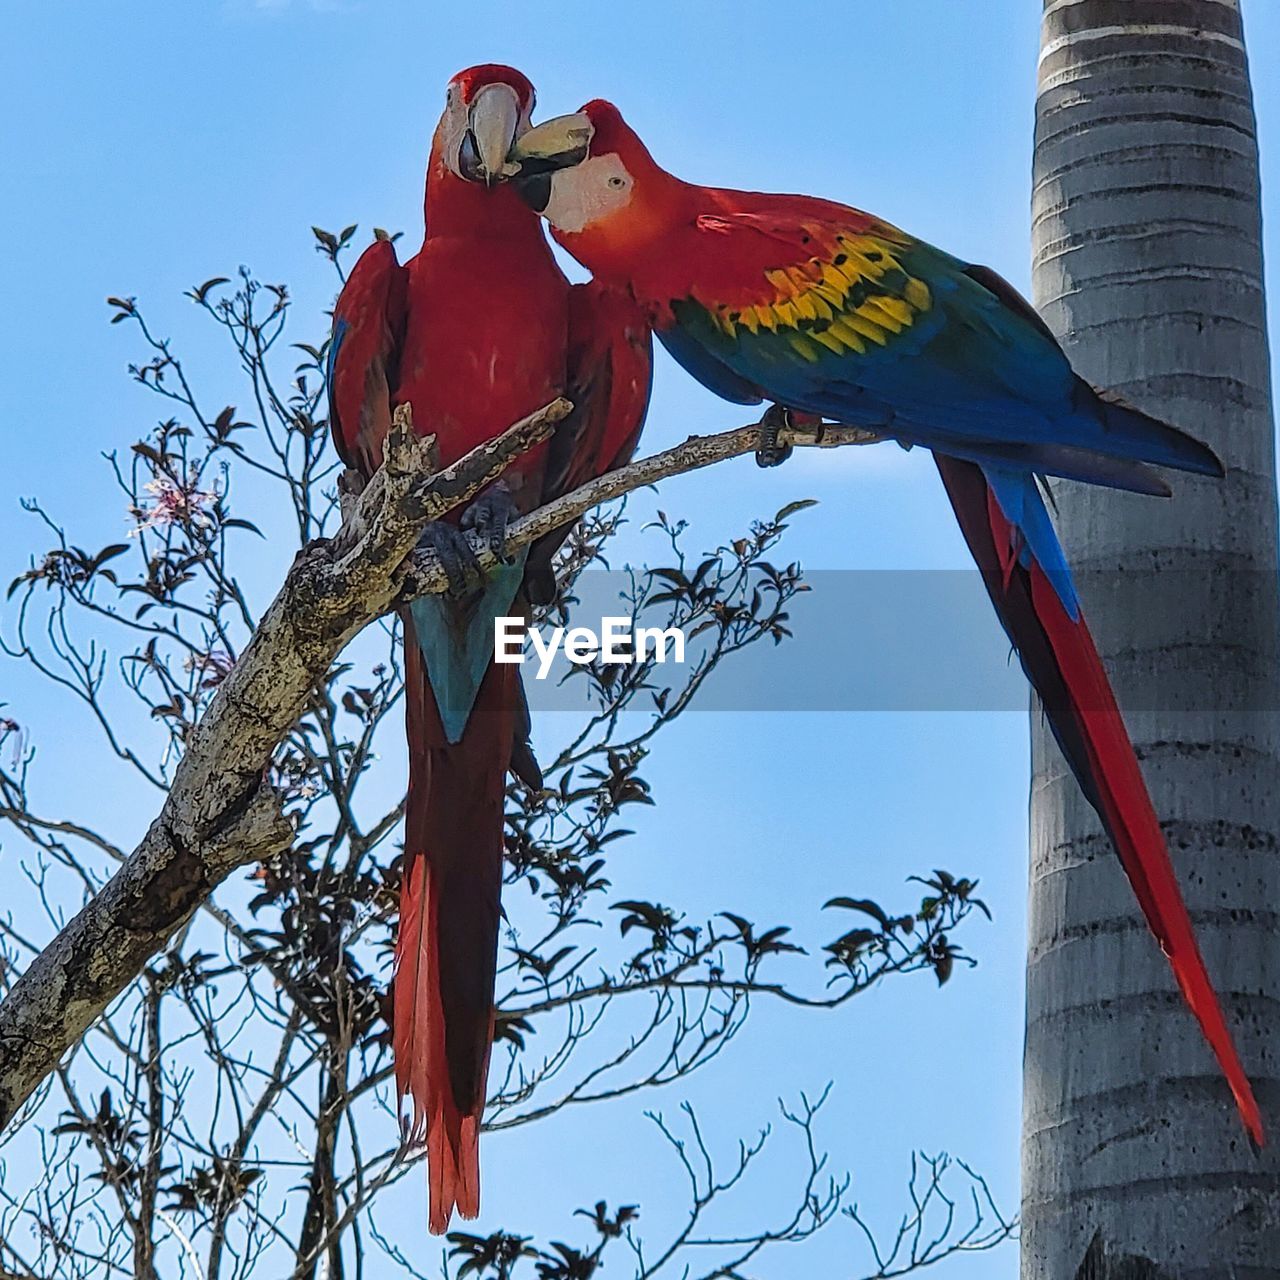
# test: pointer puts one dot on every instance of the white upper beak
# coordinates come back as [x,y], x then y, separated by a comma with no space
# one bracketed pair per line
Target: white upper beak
[493,120]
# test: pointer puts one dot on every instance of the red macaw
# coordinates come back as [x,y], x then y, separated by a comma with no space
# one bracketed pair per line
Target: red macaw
[828,311]
[476,331]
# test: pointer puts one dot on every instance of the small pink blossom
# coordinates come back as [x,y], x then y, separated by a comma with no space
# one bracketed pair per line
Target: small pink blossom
[173,503]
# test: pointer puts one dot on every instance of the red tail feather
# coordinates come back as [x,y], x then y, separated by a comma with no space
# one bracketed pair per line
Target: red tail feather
[446,949]
[1061,661]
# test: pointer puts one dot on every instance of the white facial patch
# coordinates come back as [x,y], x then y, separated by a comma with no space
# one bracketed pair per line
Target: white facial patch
[452,127]
[587,192]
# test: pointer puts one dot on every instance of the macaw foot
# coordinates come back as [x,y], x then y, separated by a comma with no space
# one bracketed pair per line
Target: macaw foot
[776,417]
[489,516]
[769,453]
[456,555]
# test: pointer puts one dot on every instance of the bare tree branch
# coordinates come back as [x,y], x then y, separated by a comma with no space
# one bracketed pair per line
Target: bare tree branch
[219,813]
[427,577]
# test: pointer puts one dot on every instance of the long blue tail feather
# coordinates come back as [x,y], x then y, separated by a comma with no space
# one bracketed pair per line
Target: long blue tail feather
[1018,496]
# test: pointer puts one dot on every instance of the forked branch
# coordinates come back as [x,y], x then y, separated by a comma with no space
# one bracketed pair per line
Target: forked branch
[220,813]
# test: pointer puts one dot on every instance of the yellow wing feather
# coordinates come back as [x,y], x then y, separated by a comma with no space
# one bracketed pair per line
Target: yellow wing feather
[840,301]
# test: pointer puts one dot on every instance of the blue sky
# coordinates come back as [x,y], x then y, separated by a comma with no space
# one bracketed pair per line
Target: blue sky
[151,145]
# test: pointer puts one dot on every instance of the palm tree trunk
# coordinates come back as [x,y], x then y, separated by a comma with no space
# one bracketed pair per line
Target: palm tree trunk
[1148,267]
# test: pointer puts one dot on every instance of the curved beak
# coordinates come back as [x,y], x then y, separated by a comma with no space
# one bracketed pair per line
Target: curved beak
[492,121]
[539,154]
[558,143]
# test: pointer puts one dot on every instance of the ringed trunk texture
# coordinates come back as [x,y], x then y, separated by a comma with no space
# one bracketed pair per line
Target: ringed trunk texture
[1148,267]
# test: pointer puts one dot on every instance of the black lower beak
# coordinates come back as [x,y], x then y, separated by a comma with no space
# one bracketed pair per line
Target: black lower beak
[544,150]
[534,188]
[469,163]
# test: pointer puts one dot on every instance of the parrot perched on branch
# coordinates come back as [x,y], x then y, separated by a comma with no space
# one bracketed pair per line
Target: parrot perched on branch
[476,331]
[831,313]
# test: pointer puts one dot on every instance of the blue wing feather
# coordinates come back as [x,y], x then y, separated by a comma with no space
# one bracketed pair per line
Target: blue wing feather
[340,328]
[961,370]
[714,374]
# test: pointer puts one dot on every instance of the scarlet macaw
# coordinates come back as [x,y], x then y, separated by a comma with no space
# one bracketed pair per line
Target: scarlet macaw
[476,331]
[828,311]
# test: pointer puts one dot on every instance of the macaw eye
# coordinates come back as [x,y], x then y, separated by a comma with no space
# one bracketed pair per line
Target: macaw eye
[617,182]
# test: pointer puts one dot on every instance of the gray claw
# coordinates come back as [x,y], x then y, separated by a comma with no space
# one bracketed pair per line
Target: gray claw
[769,453]
[456,555]
[489,515]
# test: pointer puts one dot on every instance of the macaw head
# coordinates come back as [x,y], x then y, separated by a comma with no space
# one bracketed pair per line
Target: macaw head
[486,109]
[595,182]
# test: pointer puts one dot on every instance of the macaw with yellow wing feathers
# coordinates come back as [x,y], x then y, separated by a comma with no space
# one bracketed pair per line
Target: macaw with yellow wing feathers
[830,312]
[476,331]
